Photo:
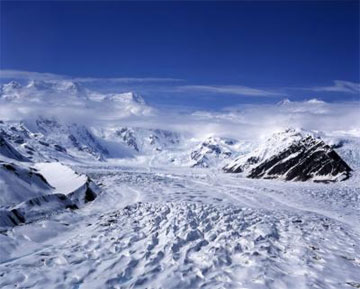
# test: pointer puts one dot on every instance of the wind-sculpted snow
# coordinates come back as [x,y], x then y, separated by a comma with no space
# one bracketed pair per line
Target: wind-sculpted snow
[180,229]
[189,245]
[292,155]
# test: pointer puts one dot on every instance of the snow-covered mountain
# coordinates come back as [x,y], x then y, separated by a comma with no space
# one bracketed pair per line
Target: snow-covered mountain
[292,155]
[289,155]
[65,96]
[30,191]
[8,151]
[49,139]
[37,91]
[141,140]
[212,151]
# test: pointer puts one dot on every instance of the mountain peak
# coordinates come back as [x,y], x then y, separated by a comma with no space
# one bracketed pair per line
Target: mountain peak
[67,86]
[293,154]
[284,101]
[12,85]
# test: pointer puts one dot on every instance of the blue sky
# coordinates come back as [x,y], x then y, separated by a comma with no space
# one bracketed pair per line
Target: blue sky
[206,54]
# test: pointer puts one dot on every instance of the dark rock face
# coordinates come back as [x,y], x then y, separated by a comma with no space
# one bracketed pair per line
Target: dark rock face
[59,148]
[84,194]
[311,159]
[306,159]
[90,195]
[129,138]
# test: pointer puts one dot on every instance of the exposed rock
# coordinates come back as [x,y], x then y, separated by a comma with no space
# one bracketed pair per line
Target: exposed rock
[295,156]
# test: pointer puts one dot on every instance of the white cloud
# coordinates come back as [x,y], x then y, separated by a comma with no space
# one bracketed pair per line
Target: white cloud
[242,122]
[229,89]
[254,121]
[30,75]
[340,86]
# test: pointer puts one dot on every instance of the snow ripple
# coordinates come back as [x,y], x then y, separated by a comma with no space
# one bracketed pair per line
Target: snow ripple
[193,245]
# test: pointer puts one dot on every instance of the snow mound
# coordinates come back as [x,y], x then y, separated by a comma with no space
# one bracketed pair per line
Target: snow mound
[292,155]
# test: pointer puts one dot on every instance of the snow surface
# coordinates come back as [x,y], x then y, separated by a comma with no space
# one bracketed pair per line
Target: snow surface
[175,228]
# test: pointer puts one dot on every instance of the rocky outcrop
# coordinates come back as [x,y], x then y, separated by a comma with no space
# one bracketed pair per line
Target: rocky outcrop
[293,156]
[26,195]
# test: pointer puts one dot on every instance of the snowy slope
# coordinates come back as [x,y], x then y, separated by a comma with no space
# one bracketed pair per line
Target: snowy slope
[20,182]
[79,188]
[29,191]
[8,151]
[61,177]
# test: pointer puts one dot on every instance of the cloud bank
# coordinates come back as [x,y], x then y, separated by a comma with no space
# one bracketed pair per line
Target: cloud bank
[70,102]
